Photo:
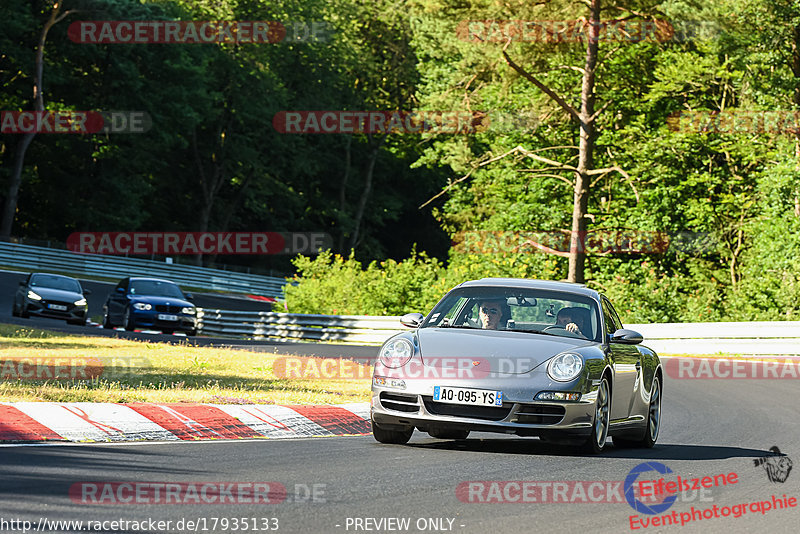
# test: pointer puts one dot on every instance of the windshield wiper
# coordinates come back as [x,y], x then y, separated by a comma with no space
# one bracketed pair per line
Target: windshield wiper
[541,332]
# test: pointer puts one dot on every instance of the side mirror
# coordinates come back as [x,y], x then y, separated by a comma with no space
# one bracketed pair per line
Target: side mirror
[627,337]
[412,320]
[87,291]
[188,296]
[121,290]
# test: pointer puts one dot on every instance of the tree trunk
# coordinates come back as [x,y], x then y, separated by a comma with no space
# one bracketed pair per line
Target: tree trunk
[230,212]
[209,185]
[362,203]
[10,207]
[343,190]
[580,207]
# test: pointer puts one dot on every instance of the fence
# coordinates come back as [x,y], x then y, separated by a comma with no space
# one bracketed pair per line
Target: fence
[765,338]
[676,338]
[300,327]
[63,261]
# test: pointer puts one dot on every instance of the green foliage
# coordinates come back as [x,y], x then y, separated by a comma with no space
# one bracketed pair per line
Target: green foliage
[214,160]
[734,195]
[332,284]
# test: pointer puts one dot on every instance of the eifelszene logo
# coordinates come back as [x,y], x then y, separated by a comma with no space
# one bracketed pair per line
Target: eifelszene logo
[666,489]
[629,489]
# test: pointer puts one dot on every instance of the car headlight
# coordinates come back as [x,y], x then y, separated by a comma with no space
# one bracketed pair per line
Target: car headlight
[565,367]
[142,306]
[81,302]
[189,311]
[396,353]
[33,296]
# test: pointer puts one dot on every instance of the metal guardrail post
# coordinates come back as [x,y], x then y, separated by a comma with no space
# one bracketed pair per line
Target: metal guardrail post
[45,259]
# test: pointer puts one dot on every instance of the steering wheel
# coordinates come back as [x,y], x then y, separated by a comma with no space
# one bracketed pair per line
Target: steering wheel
[563,331]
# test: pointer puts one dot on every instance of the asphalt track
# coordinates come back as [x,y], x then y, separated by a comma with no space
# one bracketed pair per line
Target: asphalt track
[710,427]
[9,282]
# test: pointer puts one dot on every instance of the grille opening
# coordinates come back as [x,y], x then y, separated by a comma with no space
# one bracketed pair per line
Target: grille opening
[59,302]
[540,414]
[487,413]
[399,403]
[163,308]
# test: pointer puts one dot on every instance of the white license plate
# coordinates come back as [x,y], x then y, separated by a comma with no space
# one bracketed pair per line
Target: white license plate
[474,397]
[165,317]
[58,307]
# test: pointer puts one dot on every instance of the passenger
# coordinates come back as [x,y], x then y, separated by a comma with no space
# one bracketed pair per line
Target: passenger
[571,320]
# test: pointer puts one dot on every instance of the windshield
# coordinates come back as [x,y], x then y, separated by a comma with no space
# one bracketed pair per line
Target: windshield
[51,281]
[523,310]
[155,288]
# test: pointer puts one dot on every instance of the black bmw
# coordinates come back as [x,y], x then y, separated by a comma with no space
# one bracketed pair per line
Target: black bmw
[51,295]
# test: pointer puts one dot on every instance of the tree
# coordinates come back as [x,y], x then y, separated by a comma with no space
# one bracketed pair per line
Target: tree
[10,206]
[550,58]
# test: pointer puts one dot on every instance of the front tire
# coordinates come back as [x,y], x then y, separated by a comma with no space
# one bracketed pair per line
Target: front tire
[128,322]
[653,421]
[602,414]
[396,437]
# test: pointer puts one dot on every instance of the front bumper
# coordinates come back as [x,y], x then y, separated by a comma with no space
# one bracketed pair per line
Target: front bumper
[155,320]
[44,308]
[519,414]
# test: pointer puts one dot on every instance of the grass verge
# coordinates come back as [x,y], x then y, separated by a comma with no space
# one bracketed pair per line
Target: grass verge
[39,365]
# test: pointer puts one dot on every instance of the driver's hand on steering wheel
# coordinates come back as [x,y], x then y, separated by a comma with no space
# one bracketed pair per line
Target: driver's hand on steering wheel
[572,327]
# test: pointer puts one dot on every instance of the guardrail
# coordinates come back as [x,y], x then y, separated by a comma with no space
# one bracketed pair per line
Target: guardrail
[47,259]
[762,338]
[299,327]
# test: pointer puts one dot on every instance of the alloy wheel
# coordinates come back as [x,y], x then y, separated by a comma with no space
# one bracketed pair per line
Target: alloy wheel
[601,415]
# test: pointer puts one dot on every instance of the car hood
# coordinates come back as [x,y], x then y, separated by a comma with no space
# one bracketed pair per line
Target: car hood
[492,351]
[172,301]
[49,293]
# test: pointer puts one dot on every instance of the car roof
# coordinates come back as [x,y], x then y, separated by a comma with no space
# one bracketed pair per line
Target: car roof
[144,278]
[525,283]
[54,275]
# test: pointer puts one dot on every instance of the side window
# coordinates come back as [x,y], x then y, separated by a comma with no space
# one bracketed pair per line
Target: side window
[612,324]
[615,315]
[448,314]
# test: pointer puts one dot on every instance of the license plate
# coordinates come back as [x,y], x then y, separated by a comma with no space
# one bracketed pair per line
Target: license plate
[58,307]
[165,317]
[474,397]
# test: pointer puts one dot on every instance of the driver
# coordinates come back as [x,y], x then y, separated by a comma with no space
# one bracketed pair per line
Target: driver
[490,313]
[571,321]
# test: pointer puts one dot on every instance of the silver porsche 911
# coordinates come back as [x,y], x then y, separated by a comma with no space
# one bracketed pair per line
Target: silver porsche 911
[525,357]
